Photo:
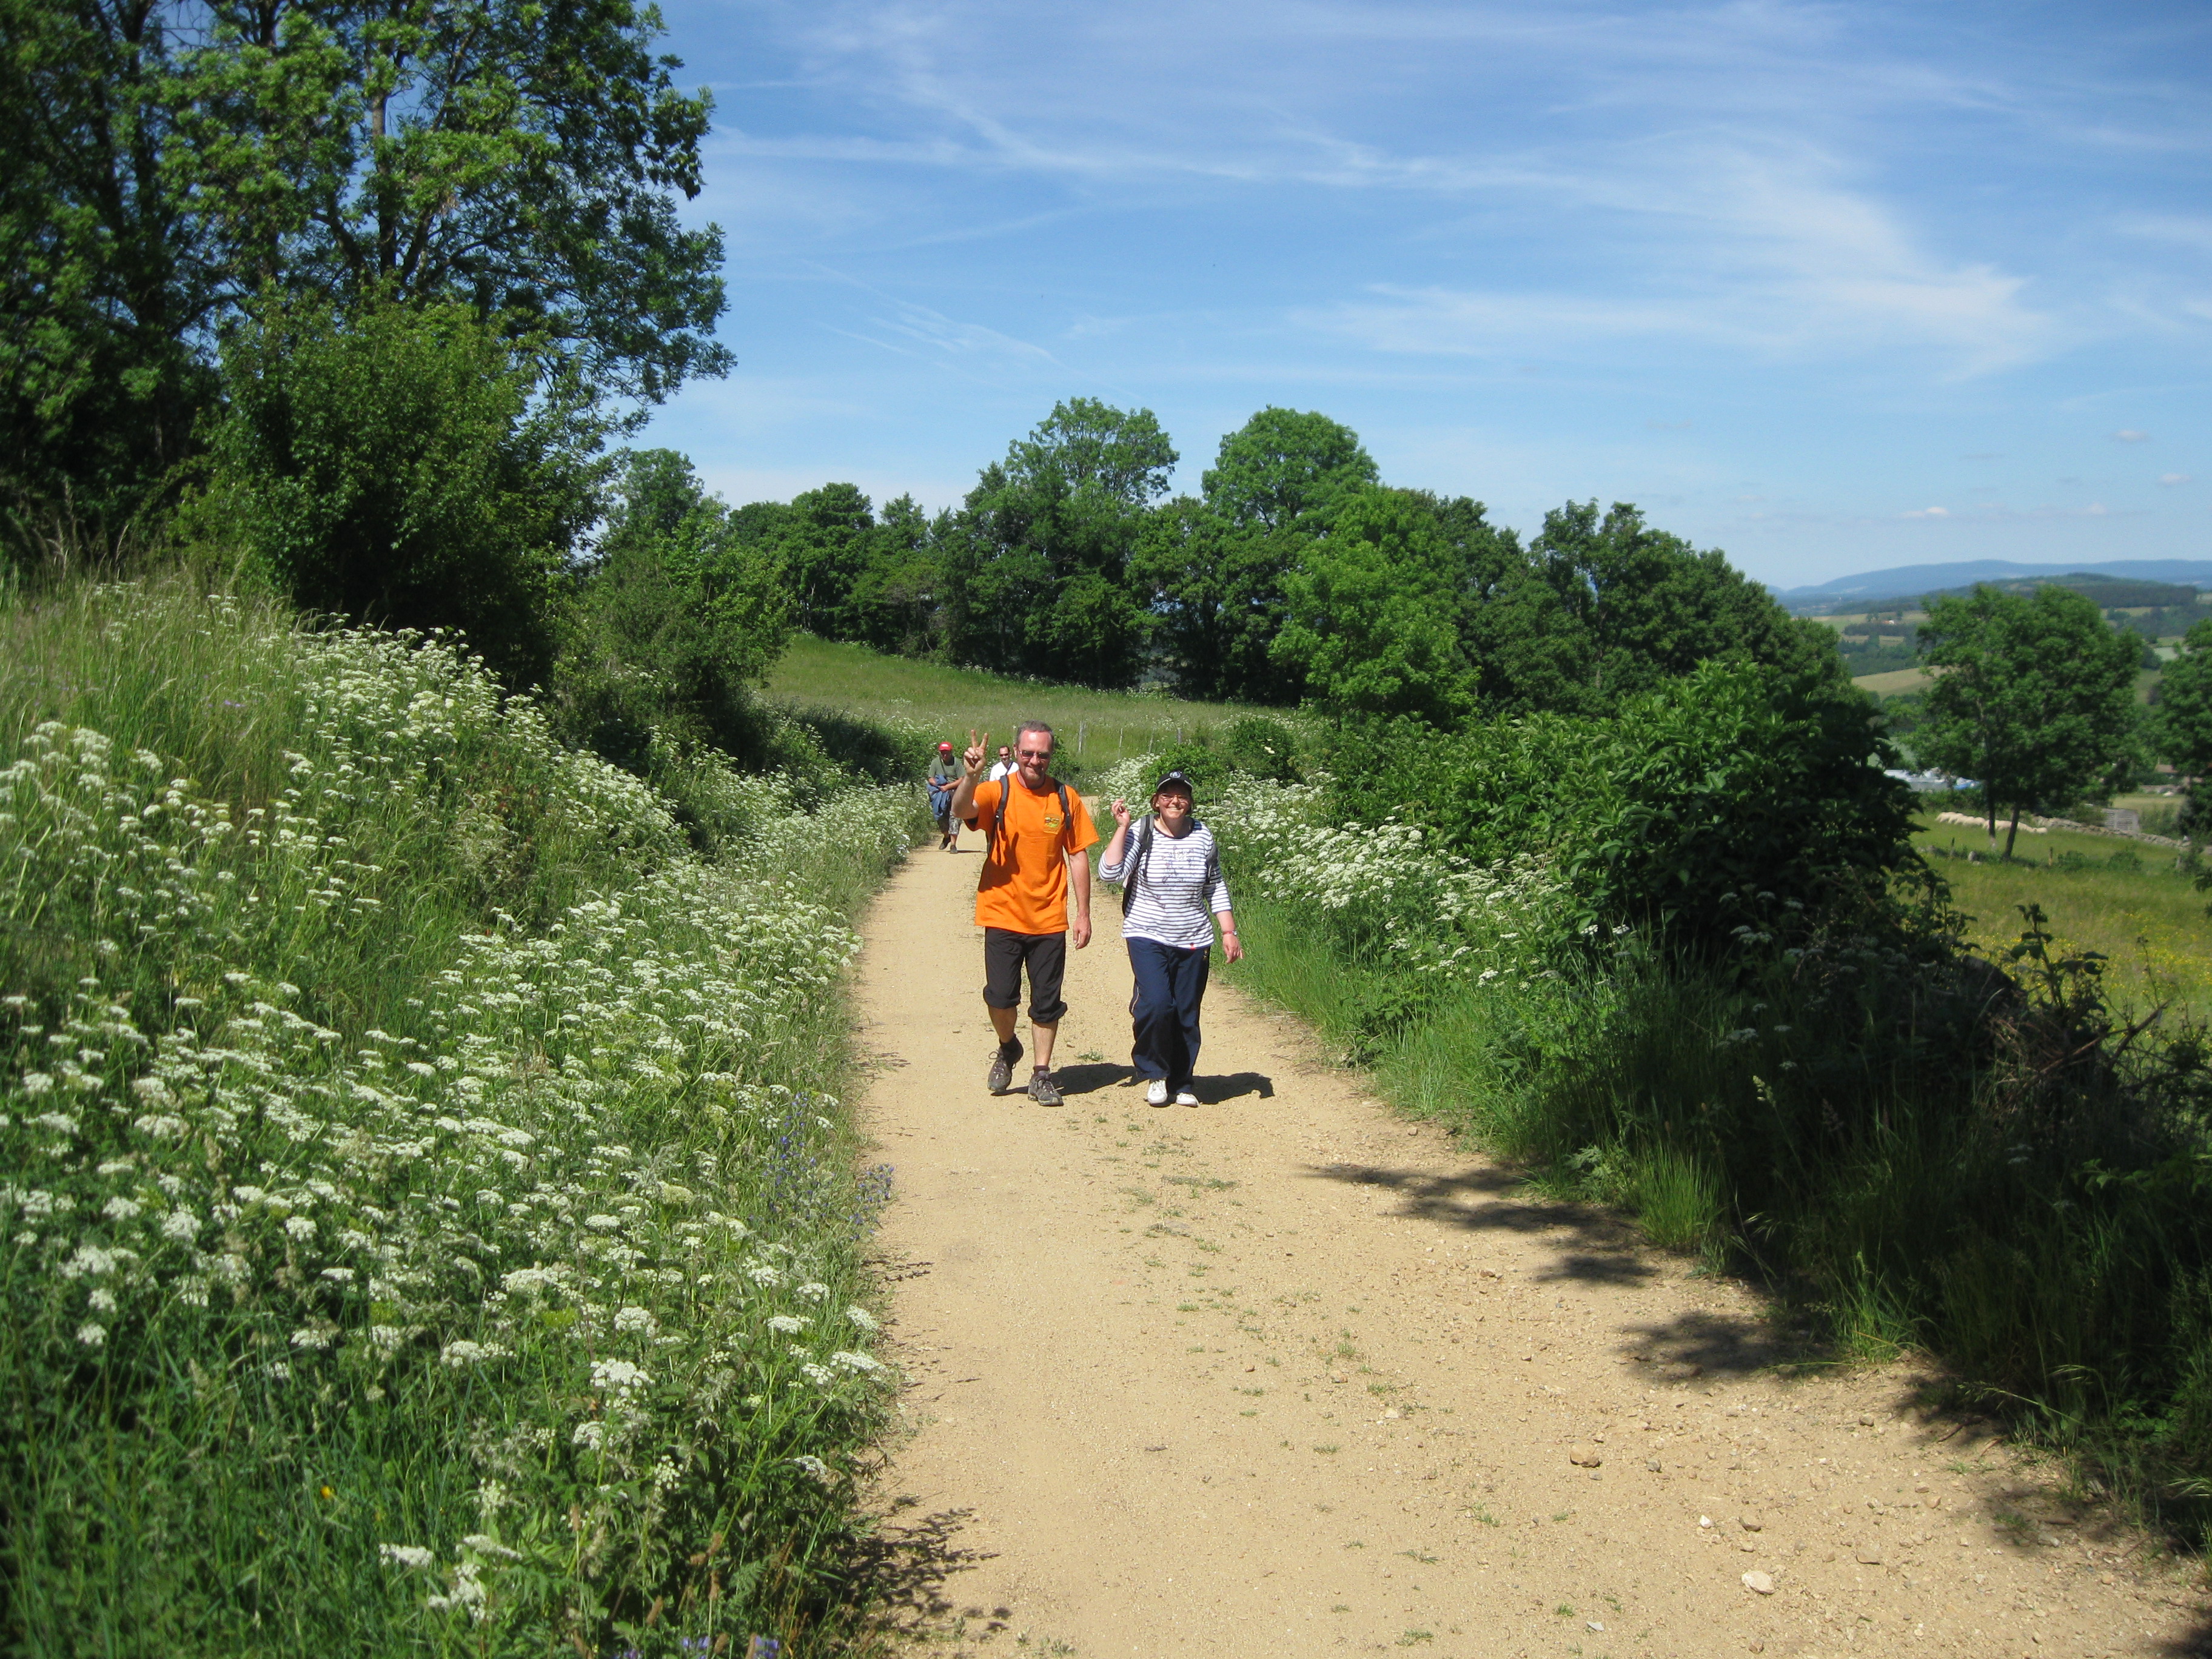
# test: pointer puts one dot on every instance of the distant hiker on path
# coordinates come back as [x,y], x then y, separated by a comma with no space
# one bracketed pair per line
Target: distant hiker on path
[1171,889]
[1037,842]
[944,775]
[1003,765]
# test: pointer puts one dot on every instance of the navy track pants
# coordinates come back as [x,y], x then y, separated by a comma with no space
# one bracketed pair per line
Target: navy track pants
[1163,1011]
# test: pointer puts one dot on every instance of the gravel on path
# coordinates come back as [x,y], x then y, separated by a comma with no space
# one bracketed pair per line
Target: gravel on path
[1283,1374]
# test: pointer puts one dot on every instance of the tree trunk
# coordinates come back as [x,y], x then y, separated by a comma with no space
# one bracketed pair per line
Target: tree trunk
[2012,833]
[1989,806]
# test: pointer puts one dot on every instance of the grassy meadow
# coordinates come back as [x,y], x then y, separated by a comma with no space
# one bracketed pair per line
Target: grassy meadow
[1094,729]
[2126,899]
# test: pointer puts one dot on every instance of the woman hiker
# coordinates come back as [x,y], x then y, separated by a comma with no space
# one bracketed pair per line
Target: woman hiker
[1171,889]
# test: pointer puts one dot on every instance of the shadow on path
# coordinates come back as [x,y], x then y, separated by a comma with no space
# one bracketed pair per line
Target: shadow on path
[906,1571]
[1596,1248]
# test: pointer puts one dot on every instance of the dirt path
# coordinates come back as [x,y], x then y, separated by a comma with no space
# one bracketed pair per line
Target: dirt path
[1282,1375]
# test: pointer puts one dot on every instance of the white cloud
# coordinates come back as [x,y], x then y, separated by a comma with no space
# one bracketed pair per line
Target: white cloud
[1927,512]
[2172,478]
[2128,434]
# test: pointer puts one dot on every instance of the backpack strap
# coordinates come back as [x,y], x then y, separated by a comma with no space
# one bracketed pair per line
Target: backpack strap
[1133,871]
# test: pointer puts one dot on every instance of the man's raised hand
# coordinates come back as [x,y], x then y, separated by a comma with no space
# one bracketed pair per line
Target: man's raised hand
[977,753]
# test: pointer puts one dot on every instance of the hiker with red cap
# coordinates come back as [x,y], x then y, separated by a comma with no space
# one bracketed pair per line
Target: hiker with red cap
[944,775]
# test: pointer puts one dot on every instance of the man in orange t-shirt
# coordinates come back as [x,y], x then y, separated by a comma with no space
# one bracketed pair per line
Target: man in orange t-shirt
[1037,841]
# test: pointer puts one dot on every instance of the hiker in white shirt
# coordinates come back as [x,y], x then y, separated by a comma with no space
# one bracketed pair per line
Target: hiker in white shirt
[1171,893]
[1002,766]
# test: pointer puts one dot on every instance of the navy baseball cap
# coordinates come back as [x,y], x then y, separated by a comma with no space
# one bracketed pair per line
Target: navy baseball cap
[1177,780]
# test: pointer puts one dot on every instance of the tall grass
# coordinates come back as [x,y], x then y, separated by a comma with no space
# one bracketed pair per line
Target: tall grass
[428,1224]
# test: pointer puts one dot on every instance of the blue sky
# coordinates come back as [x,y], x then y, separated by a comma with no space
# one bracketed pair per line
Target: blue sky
[1831,287]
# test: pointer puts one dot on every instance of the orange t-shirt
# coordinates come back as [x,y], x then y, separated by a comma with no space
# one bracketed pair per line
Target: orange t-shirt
[1024,888]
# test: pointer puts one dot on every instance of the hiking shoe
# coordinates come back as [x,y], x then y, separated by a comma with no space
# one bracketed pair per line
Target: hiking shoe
[1156,1093]
[1184,1098]
[1043,1090]
[1001,1077]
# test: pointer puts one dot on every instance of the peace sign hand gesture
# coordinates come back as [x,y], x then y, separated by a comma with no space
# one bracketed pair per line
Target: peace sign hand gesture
[977,752]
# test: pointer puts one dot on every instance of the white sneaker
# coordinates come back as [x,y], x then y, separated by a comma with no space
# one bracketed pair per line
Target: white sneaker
[1184,1098]
[1157,1094]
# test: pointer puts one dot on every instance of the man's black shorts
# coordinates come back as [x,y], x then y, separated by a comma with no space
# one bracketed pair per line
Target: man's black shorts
[1004,953]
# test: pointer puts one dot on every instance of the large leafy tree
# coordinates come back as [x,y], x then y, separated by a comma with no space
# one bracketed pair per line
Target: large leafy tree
[1372,611]
[2033,696]
[1638,605]
[169,165]
[1035,564]
[2183,730]
[1212,567]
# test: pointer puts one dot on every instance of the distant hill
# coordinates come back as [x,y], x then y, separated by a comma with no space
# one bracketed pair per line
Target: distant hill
[1912,581]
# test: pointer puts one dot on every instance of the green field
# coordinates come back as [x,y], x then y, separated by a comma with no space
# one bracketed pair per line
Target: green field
[2149,922]
[1894,682]
[1095,729]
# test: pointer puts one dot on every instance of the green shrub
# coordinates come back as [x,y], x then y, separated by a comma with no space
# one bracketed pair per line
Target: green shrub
[1263,747]
[393,467]
[1723,787]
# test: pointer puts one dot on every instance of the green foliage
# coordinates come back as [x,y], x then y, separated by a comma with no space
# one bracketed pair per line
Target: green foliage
[1370,615]
[172,167]
[1727,783]
[392,469]
[430,1145]
[2183,730]
[1212,569]
[2035,699]
[668,633]
[1638,605]
[1263,748]
[1034,564]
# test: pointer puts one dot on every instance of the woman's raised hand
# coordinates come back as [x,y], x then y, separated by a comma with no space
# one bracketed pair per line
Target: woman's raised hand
[1120,809]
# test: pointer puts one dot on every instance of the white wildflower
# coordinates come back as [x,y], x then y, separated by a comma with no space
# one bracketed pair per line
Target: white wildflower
[634,1319]
[35,1084]
[405,1555]
[812,1293]
[855,1362]
[120,1208]
[788,1324]
[92,1335]
[590,1436]
[861,1320]
[619,1376]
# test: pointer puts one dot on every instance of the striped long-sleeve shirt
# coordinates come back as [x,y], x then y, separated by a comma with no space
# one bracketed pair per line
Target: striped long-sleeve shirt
[1173,903]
